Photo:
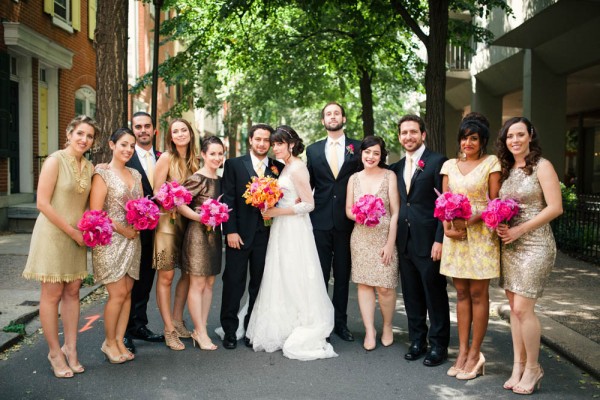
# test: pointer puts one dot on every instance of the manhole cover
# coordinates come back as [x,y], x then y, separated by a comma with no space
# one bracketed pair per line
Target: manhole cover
[30,303]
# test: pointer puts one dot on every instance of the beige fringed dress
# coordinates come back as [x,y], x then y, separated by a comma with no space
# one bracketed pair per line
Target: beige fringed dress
[53,255]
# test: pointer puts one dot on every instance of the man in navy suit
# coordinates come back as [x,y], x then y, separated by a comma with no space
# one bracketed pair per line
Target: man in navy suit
[246,234]
[143,161]
[330,163]
[419,241]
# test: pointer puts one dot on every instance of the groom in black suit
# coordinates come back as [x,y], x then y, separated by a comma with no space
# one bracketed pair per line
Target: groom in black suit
[419,241]
[145,157]
[247,236]
[331,162]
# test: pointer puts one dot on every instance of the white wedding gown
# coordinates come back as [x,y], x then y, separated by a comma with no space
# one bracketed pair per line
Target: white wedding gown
[292,311]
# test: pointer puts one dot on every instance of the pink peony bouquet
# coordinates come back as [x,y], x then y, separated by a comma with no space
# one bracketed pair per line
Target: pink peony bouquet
[499,211]
[172,195]
[96,227]
[213,213]
[449,206]
[368,210]
[142,213]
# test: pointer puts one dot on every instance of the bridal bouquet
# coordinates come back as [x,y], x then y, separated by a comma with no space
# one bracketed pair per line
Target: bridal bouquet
[172,195]
[449,206]
[263,193]
[368,210]
[213,213]
[498,211]
[96,227]
[142,213]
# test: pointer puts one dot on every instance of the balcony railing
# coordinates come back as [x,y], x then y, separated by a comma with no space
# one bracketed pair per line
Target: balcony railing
[457,57]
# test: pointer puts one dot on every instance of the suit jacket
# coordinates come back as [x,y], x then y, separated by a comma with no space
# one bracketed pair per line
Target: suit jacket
[244,219]
[330,192]
[416,207]
[146,236]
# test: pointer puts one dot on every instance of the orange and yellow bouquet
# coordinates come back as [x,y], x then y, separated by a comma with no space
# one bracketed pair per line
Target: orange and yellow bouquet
[263,193]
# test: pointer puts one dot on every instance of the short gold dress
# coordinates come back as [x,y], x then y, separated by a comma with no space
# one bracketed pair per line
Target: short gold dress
[53,256]
[366,242]
[478,257]
[122,255]
[527,262]
[202,250]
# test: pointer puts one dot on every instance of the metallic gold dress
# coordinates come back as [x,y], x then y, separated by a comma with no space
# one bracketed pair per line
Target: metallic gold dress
[122,255]
[53,255]
[202,250]
[366,242]
[527,262]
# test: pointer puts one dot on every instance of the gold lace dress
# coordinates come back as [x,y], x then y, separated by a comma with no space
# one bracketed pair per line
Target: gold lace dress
[122,255]
[202,250]
[527,262]
[478,257]
[366,242]
[53,255]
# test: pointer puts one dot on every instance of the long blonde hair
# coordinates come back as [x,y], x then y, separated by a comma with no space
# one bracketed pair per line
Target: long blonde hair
[180,168]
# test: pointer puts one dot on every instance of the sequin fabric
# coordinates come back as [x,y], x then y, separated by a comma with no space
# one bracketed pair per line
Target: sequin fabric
[527,262]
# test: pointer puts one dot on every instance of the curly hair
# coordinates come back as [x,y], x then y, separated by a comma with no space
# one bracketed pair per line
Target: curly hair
[286,134]
[182,168]
[507,160]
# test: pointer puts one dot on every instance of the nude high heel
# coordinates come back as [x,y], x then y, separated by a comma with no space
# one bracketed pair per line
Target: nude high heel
[119,359]
[181,329]
[478,370]
[172,341]
[509,386]
[65,373]
[196,339]
[536,385]
[78,368]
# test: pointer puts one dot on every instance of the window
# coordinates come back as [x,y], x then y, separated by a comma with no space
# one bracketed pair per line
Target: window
[85,101]
[66,14]
[61,9]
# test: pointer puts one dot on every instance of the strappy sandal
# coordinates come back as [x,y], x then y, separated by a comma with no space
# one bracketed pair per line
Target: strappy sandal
[172,341]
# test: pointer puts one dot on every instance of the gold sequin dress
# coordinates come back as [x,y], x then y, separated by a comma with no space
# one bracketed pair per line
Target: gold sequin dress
[202,250]
[122,255]
[478,257]
[53,255]
[527,262]
[366,242]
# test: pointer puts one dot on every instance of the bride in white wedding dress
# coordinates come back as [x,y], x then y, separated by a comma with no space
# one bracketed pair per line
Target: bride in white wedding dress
[292,311]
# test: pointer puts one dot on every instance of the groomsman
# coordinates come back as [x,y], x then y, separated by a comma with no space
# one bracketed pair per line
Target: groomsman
[419,241]
[246,234]
[144,161]
[330,163]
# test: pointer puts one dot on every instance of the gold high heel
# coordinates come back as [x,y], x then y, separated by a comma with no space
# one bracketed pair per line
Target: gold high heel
[537,384]
[66,373]
[78,369]
[172,341]
[507,385]
[112,359]
[196,339]
[478,370]
[181,329]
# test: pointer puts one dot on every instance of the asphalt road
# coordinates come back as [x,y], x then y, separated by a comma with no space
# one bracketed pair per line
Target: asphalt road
[160,373]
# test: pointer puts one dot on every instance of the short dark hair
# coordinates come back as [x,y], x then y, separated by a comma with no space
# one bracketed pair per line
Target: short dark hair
[287,134]
[415,118]
[205,142]
[470,127]
[331,103]
[256,127]
[476,116]
[142,114]
[370,141]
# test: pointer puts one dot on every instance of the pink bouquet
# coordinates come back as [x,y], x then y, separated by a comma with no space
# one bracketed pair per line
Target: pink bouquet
[142,213]
[96,227]
[498,211]
[449,206]
[172,195]
[213,213]
[368,210]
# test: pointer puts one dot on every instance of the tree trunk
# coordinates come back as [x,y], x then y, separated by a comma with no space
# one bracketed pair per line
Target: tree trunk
[366,100]
[111,72]
[435,75]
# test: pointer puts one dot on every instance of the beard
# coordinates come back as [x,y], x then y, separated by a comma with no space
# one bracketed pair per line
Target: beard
[334,127]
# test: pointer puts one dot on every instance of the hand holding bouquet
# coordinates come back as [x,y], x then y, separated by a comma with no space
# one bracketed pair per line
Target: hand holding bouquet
[499,211]
[368,210]
[142,213]
[213,213]
[96,228]
[263,193]
[172,195]
[450,206]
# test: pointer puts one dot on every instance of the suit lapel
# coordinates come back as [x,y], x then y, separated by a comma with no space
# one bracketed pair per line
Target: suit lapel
[418,170]
[247,161]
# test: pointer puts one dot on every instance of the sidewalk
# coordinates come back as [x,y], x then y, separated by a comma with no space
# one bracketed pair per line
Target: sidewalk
[569,312]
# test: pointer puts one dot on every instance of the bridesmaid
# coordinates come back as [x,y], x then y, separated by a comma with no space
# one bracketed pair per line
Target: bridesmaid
[57,255]
[177,163]
[529,249]
[471,253]
[375,273]
[117,264]
[202,250]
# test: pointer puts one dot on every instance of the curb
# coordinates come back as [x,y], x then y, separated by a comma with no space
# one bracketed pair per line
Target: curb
[578,349]
[9,339]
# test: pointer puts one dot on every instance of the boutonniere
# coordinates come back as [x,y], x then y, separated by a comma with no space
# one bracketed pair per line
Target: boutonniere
[157,154]
[420,165]
[274,170]
[350,149]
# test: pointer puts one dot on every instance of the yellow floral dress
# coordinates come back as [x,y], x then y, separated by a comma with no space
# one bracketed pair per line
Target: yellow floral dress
[478,257]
